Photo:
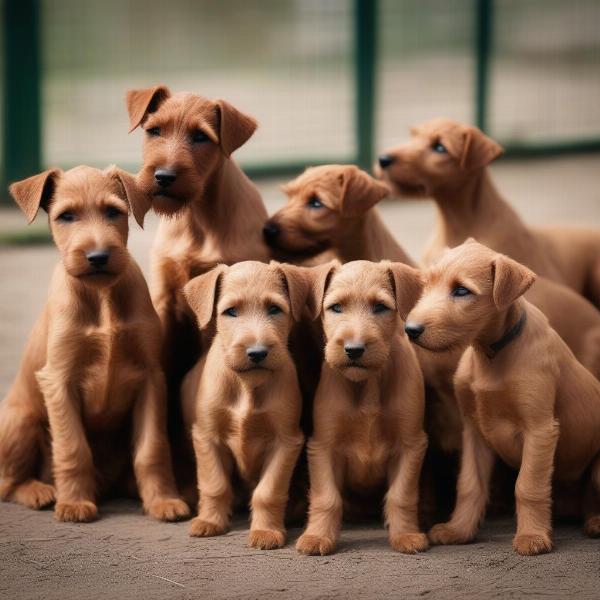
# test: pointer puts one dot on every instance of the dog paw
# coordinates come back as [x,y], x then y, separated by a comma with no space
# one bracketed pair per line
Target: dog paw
[201,528]
[82,511]
[34,494]
[592,526]
[409,543]
[266,539]
[444,533]
[168,509]
[532,544]
[314,545]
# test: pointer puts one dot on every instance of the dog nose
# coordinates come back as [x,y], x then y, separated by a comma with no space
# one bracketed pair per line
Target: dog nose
[414,330]
[354,351]
[257,353]
[165,177]
[98,258]
[270,230]
[385,160]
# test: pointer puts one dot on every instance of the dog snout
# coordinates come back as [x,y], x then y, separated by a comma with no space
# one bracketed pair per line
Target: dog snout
[385,160]
[414,330]
[257,353]
[271,231]
[354,350]
[98,258]
[165,177]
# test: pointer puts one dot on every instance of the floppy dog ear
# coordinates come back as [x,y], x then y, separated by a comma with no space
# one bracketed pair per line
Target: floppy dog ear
[141,102]
[138,202]
[235,128]
[33,192]
[408,286]
[201,294]
[360,192]
[472,148]
[320,277]
[298,286]
[511,280]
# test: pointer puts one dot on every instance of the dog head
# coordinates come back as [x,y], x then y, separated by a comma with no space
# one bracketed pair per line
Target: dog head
[254,305]
[361,304]
[323,204]
[87,211]
[186,139]
[462,293]
[441,155]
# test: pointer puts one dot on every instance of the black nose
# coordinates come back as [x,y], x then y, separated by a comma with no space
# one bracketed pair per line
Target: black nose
[257,353]
[414,330]
[270,231]
[354,351]
[165,177]
[98,258]
[385,160]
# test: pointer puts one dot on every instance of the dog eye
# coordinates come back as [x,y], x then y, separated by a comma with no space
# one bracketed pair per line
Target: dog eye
[274,310]
[314,202]
[66,217]
[459,291]
[439,148]
[199,136]
[230,312]
[380,308]
[336,308]
[153,131]
[112,212]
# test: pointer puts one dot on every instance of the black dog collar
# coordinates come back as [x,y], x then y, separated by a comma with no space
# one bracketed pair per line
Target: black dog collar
[509,336]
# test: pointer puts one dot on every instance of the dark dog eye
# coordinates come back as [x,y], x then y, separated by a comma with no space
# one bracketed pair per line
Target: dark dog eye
[439,147]
[380,308]
[459,291]
[199,136]
[66,217]
[274,309]
[336,308]
[230,312]
[112,212]
[314,202]
[153,131]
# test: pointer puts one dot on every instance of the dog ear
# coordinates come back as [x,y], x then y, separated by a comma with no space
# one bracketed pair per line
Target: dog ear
[298,286]
[360,192]
[471,147]
[235,128]
[201,294]
[408,286]
[138,202]
[511,280]
[33,192]
[141,102]
[320,277]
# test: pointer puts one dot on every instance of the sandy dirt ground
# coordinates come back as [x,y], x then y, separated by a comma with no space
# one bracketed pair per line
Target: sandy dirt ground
[126,555]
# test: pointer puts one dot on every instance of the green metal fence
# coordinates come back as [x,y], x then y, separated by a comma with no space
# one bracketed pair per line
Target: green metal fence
[330,81]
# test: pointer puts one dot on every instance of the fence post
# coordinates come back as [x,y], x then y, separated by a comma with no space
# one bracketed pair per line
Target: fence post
[365,57]
[21,140]
[483,48]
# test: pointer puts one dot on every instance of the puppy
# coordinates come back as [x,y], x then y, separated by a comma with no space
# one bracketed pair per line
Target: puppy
[522,394]
[447,160]
[242,400]
[331,208]
[92,363]
[368,414]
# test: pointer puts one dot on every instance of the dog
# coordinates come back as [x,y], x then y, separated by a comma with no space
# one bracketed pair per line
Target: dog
[210,211]
[331,211]
[447,160]
[369,406]
[242,400]
[522,393]
[90,384]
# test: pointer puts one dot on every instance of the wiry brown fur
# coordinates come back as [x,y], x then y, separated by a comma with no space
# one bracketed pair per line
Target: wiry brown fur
[531,403]
[368,414]
[244,417]
[92,364]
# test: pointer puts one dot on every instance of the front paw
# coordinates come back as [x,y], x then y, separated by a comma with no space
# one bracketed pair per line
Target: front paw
[168,509]
[265,539]
[528,544]
[82,511]
[445,533]
[314,545]
[201,528]
[35,494]
[409,543]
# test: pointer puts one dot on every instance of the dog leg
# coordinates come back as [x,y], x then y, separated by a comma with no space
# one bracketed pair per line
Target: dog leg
[533,491]
[592,501]
[152,459]
[477,463]
[269,500]
[325,512]
[401,501]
